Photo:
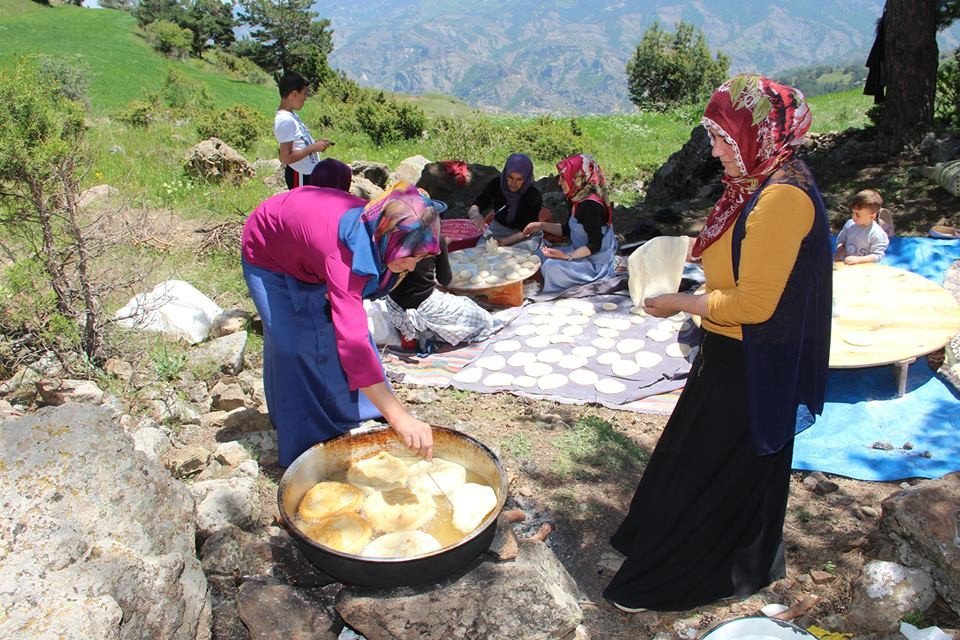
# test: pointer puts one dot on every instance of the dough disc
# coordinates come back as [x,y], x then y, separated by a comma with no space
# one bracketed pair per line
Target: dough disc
[647,359]
[583,377]
[609,386]
[552,381]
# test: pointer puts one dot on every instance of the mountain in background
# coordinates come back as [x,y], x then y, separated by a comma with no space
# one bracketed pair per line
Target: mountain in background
[570,56]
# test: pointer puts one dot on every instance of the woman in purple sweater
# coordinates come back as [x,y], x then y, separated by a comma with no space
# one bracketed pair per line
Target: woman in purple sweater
[310,257]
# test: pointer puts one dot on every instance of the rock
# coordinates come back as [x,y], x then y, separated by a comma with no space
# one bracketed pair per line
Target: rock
[184,462]
[533,598]
[214,160]
[887,591]
[505,545]
[923,521]
[869,511]
[422,395]
[225,353]
[281,612]
[821,577]
[97,192]
[273,556]
[227,397]
[230,501]
[22,387]
[409,170]
[231,454]
[230,321]
[104,537]
[54,392]
[685,171]
[376,173]
[363,188]
[120,369]
[610,562]
[458,186]
[152,442]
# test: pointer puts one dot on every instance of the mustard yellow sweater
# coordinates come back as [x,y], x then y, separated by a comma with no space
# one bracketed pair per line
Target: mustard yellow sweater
[781,218]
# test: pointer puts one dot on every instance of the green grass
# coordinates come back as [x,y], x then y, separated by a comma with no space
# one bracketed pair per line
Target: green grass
[840,111]
[594,448]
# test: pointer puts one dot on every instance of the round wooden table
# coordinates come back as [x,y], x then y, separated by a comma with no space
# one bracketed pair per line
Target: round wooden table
[884,315]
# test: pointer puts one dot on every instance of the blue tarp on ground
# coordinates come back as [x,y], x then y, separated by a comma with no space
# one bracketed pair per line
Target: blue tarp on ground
[863,408]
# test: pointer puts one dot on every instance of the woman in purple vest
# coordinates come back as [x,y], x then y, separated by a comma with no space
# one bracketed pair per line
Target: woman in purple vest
[706,521]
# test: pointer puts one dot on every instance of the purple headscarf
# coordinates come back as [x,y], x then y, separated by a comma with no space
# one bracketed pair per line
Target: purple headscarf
[516,163]
[332,173]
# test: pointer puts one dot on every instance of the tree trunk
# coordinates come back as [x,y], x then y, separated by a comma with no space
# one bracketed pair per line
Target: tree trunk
[911,65]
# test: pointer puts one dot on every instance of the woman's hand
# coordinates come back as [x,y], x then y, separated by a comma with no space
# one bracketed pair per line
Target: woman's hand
[532,228]
[416,434]
[550,252]
[670,303]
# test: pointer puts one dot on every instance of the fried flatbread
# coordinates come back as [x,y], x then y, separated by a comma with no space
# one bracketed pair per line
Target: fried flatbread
[329,498]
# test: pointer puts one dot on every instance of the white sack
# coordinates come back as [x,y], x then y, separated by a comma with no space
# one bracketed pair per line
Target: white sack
[174,308]
[378,321]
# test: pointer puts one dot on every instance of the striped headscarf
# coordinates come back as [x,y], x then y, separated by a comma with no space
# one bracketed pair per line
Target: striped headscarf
[585,181]
[764,122]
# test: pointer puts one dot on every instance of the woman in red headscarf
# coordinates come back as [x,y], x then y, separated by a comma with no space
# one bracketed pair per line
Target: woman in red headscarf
[591,254]
[706,521]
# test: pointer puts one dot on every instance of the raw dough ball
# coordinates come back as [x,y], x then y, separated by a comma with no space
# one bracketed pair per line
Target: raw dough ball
[465,274]
[401,544]
[329,498]
[476,279]
[609,306]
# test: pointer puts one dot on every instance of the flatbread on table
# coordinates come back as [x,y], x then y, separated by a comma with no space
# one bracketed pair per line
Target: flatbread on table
[630,345]
[608,333]
[506,346]
[469,375]
[552,381]
[572,361]
[521,358]
[603,343]
[537,369]
[585,351]
[609,386]
[550,356]
[537,342]
[625,368]
[524,382]
[498,379]
[648,359]
[583,377]
[608,358]
[492,363]
[659,335]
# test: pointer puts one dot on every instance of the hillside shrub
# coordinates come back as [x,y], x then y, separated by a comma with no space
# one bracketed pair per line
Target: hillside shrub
[184,95]
[139,113]
[237,67]
[388,121]
[69,75]
[547,138]
[463,139]
[947,106]
[239,126]
[169,39]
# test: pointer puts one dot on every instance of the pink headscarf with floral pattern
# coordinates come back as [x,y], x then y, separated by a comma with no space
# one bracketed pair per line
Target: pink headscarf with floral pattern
[764,122]
[584,181]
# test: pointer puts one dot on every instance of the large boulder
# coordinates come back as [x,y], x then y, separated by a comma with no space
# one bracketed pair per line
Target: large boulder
[924,522]
[96,541]
[214,160]
[685,172]
[456,183]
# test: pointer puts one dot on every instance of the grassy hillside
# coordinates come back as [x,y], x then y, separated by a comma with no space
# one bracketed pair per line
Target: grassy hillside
[124,67]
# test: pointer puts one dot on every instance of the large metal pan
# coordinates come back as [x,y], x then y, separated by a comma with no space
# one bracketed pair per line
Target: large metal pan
[332,457]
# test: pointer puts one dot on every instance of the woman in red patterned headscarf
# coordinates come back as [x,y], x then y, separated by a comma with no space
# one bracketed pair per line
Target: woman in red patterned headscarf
[706,520]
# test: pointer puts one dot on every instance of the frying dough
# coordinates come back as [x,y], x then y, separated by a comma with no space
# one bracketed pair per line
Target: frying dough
[506,346]
[401,544]
[329,498]
[382,471]
[583,377]
[449,475]
[399,509]
[492,363]
[471,504]
[499,379]
[468,375]
[346,532]
[647,359]
[609,386]
[552,381]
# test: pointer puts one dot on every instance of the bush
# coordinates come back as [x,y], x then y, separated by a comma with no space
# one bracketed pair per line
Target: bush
[239,126]
[138,113]
[237,67]
[169,38]
[69,74]
[463,138]
[547,139]
[947,107]
[184,95]
[389,120]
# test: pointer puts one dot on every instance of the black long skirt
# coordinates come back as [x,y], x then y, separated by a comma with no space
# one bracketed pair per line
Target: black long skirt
[706,521]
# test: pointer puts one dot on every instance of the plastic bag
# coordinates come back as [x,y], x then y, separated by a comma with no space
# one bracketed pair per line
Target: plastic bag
[174,308]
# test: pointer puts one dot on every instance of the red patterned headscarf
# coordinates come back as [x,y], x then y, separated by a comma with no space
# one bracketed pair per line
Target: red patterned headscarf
[764,122]
[584,180]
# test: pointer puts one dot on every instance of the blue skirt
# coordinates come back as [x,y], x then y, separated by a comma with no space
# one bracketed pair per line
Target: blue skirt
[306,388]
